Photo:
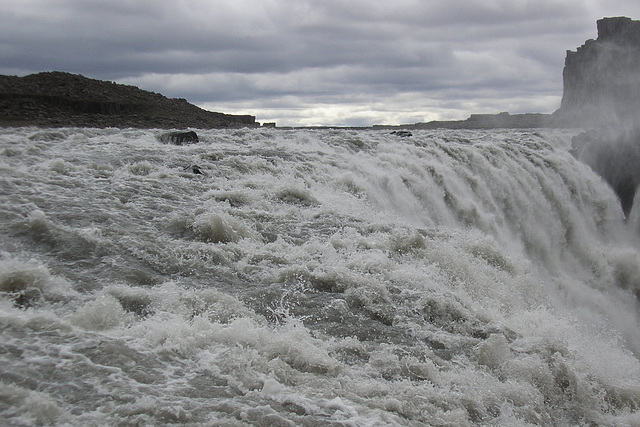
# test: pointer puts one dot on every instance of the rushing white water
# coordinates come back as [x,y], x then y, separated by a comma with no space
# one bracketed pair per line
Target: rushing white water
[325,277]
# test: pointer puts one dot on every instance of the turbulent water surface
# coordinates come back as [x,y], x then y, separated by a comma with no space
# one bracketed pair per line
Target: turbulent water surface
[313,278]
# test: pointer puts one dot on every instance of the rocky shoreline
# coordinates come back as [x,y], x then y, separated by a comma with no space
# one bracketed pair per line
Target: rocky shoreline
[58,99]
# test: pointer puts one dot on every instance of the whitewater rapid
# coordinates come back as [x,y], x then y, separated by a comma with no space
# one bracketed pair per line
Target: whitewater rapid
[313,277]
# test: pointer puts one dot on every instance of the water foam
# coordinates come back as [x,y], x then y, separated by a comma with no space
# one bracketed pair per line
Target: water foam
[348,277]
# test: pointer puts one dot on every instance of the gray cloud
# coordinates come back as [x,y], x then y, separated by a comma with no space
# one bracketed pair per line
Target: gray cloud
[303,62]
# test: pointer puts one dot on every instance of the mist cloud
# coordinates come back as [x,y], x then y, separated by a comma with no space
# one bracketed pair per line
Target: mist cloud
[304,62]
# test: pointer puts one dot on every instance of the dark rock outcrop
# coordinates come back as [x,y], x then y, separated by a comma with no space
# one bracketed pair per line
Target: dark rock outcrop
[56,99]
[180,138]
[402,133]
[195,169]
[602,79]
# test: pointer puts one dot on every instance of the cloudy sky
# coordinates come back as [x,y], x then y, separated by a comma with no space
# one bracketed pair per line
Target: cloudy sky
[314,62]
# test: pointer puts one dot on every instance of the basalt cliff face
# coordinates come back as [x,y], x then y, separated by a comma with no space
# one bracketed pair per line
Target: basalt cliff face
[602,78]
[57,99]
[602,95]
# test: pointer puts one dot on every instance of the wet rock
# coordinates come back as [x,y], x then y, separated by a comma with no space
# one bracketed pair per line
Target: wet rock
[402,133]
[179,138]
[194,169]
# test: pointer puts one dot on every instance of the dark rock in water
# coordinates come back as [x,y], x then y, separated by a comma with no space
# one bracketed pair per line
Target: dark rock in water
[601,84]
[402,133]
[195,169]
[179,138]
[615,157]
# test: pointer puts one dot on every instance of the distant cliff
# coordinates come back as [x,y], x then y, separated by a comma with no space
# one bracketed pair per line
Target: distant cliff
[602,78]
[56,99]
[491,121]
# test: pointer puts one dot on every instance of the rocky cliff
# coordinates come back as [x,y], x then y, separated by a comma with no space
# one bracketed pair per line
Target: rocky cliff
[56,99]
[602,94]
[602,78]
[502,120]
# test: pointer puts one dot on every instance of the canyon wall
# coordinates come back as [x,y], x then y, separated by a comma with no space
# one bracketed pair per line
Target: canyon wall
[602,78]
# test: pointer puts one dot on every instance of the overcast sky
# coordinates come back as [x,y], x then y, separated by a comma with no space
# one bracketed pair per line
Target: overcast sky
[314,62]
